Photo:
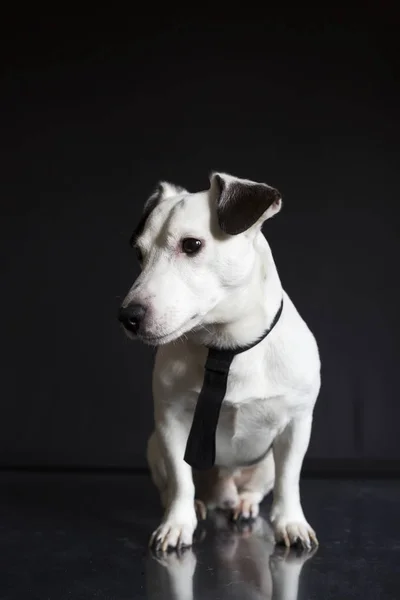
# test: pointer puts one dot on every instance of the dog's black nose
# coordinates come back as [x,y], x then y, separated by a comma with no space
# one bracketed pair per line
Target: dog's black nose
[131,316]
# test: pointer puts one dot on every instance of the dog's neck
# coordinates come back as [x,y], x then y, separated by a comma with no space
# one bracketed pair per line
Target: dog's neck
[250,310]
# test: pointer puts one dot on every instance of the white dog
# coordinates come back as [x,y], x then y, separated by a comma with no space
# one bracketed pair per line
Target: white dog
[209,281]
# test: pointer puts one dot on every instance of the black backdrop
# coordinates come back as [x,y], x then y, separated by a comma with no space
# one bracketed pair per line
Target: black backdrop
[93,114]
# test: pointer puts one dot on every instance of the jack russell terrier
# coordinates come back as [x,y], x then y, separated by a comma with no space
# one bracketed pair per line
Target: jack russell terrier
[237,370]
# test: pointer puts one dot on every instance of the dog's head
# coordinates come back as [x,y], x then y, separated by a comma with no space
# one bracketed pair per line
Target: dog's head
[195,250]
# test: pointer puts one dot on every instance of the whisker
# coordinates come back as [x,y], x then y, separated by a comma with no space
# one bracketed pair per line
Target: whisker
[205,329]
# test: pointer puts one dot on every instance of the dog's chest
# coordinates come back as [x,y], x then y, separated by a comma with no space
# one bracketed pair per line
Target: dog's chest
[245,432]
[253,411]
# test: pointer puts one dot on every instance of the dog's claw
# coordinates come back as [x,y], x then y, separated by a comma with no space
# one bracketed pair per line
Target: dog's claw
[201,509]
[164,546]
[314,538]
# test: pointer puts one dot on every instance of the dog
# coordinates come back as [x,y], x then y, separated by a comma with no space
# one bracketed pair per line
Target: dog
[209,280]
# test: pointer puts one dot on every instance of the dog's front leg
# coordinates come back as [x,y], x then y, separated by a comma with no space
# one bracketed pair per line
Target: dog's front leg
[287,517]
[180,520]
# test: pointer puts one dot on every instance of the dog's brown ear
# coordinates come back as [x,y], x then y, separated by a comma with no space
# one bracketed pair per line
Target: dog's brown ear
[163,190]
[242,203]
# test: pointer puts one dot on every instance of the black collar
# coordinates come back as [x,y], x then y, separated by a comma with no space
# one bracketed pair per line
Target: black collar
[200,447]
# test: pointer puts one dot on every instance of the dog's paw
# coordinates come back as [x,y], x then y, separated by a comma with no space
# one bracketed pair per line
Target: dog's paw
[248,507]
[175,532]
[291,528]
[294,532]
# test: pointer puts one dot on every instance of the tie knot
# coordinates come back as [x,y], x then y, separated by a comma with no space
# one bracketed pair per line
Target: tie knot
[219,361]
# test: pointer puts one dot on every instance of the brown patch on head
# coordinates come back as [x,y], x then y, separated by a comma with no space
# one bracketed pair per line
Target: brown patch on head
[147,210]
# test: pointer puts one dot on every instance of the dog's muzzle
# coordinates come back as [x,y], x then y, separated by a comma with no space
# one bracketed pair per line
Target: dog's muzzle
[132,316]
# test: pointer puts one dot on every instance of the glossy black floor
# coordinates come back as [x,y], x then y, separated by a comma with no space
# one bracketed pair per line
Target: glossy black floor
[70,536]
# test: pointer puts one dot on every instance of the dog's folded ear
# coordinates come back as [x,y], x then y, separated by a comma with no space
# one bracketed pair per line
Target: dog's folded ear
[163,190]
[241,203]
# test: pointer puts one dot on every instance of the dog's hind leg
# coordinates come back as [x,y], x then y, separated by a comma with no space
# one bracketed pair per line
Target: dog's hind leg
[225,491]
[216,488]
[253,484]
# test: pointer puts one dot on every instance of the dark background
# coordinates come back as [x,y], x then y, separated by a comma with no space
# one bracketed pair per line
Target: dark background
[94,110]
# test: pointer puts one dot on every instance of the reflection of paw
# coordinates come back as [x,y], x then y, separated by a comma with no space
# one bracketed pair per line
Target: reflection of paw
[220,520]
[291,556]
[225,525]
[182,564]
[248,506]
[286,563]
[250,527]
[175,532]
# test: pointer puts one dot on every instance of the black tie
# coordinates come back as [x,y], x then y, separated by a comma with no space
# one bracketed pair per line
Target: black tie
[200,447]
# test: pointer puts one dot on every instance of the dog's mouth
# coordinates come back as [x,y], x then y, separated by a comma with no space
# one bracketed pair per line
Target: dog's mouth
[158,340]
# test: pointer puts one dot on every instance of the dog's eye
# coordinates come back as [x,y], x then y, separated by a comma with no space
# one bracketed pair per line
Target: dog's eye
[191,245]
[139,254]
